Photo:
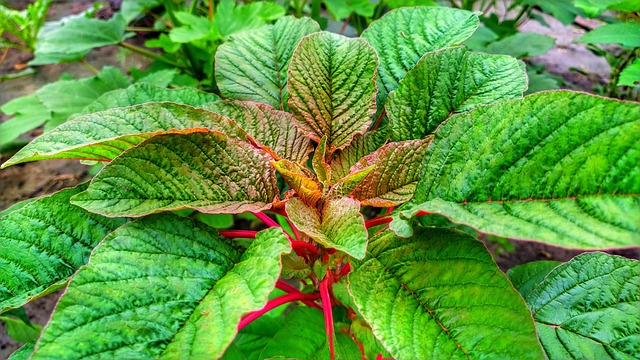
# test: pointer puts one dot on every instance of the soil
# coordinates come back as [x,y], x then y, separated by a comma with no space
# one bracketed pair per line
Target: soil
[29,180]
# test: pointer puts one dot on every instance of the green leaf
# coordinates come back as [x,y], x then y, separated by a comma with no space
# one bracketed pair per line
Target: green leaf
[231,18]
[593,8]
[403,35]
[341,9]
[131,9]
[553,167]
[162,287]
[43,243]
[205,171]
[144,93]
[104,135]
[564,11]
[218,221]
[76,37]
[527,276]
[450,81]
[301,180]
[303,336]
[361,146]
[332,87]
[252,339]
[522,44]
[440,295]
[395,174]
[23,353]
[253,65]
[372,346]
[192,28]
[273,129]
[29,114]
[20,331]
[340,226]
[393,4]
[589,308]
[630,75]
[626,34]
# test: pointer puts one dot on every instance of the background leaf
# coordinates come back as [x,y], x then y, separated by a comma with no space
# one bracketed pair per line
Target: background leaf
[159,287]
[556,167]
[253,65]
[440,295]
[226,176]
[522,44]
[43,243]
[589,307]
[450,81]
[332,87]
[403,35]
[627,34]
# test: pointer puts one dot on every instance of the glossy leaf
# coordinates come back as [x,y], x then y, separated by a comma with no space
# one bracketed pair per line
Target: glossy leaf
[339,226]
[160,288]
[555,167]
[303,337]
[43,243]
[104,135]
[440,295]
[450,81]
[403,35]
[205,171]
[589,308]
[395,174]
[272,129]
[145,93]
[361,146]
[253,65]
[332,87]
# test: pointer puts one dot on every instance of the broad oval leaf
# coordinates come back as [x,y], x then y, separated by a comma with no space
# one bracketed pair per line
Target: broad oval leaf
[395,174]
[589,308]
[440,295]
[253,65]
[361,146]
[450,81]
[332,87]
[207,171]
[104,135]
[43,243]
[272,129]
[558,167]
[339,226]
[403,35]
[144,93]
[162,287]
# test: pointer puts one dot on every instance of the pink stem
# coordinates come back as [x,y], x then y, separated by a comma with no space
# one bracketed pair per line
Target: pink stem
[231,234]
[328,311]
[271,304]
[266,219]
[377,221]
[290,289]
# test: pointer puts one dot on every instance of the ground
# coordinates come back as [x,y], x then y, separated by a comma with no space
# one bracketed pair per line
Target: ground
[34,179]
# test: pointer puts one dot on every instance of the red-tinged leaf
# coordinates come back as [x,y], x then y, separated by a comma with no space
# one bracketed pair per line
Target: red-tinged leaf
[319,162]
[361,146]
[301,180]
[209,172]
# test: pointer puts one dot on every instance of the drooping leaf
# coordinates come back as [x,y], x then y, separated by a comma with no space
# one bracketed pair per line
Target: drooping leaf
[303,337]
[627,34]
[162,287]
[72,40]
[332,87]
[450,81]
[527,276]
[403,35]
[271,128]
[205,171]
[440,295]
[20,331]
[395,174]
[104,135]
[144,93]
[522,44]
[557,167]
[589,308]
[43,243]
[340,226]
[253,65]
[361,146]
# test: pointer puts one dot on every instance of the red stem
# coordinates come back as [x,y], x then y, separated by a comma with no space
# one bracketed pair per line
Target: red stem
[231,234]
[344,25]
[271,304]
[295,230]
[328,311]
[290,289]
[345,270]
[379,119]
[266,219]
[303,247]
[377,221]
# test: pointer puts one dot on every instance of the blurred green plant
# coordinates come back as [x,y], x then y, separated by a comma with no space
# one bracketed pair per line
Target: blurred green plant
[22,26]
